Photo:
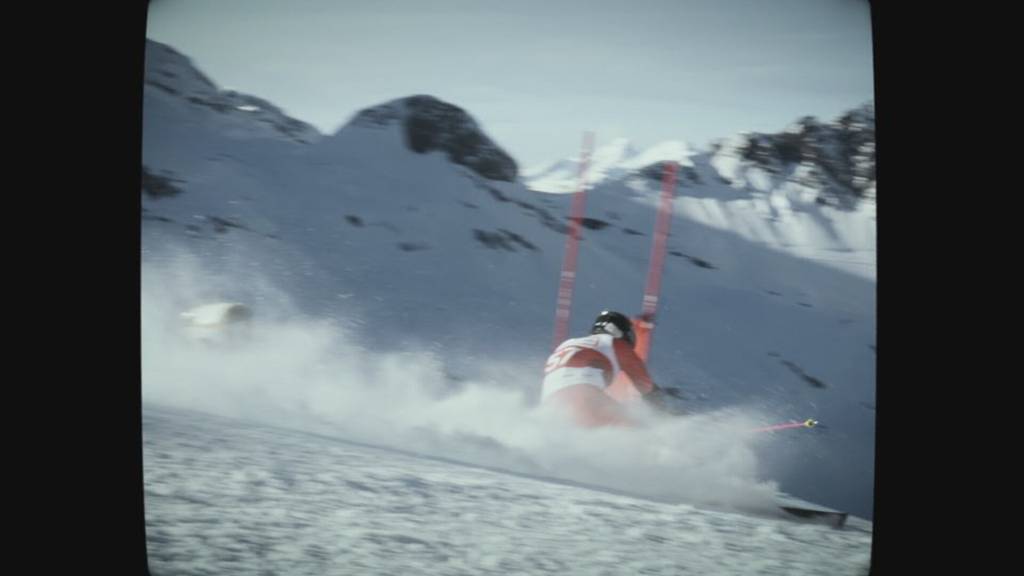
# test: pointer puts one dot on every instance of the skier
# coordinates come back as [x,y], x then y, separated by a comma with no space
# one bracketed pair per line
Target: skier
[579,373]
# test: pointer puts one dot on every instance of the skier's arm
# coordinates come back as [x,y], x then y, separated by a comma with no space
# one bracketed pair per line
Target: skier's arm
[634,367]
[654,395]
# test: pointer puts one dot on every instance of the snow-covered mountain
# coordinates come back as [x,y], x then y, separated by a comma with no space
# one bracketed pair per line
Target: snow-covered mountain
[411,231]
[809,191]
[610,161]
[170,76]
[834,160]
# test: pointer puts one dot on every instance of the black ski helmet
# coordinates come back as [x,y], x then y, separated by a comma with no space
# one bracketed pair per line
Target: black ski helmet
[614,323]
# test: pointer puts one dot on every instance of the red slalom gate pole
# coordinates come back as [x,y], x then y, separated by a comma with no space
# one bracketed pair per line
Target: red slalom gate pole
[567,278]
[622,388]
[658,248]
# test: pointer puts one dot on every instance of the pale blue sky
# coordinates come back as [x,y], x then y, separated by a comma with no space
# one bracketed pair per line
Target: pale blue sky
[537,74]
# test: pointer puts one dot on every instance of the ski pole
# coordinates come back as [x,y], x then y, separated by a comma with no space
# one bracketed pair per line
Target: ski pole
[809,423]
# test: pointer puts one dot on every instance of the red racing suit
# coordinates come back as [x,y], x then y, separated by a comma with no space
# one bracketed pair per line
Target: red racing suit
[580,371]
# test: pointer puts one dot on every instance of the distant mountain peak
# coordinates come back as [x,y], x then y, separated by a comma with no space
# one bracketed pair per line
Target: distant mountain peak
[171,73]
[429,123]
[839,155]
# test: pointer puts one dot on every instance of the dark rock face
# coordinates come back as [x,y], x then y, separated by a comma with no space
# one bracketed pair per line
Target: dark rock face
[430,124]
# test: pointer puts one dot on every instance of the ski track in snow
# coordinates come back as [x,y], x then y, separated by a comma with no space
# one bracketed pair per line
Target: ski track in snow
[228,497]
